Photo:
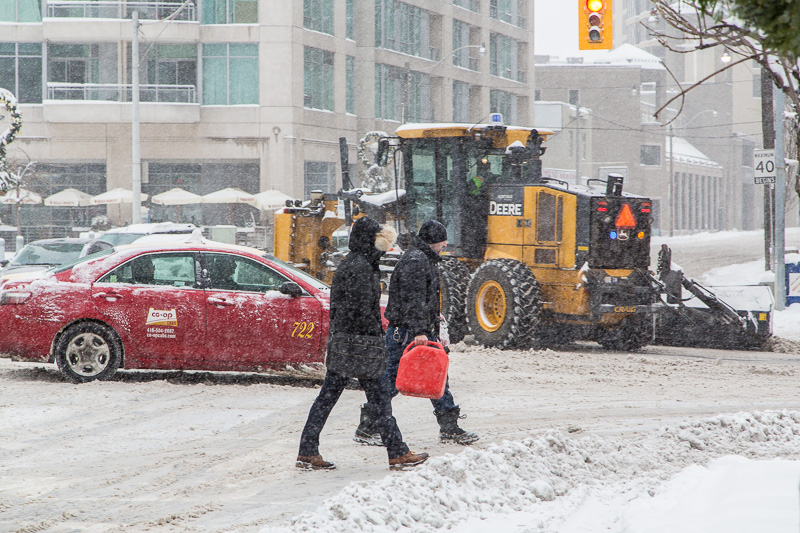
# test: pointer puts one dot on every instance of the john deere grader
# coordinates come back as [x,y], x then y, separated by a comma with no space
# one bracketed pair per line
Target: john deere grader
[531,260]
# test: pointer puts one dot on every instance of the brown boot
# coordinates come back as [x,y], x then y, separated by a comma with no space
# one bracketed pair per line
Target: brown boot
[408,460]
[313,462]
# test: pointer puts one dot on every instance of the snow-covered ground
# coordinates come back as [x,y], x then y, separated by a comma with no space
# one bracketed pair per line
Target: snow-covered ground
[575,440]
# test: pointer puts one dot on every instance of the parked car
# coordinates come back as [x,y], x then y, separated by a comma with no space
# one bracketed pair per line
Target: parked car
[132,232]
[38,256]
[192,305]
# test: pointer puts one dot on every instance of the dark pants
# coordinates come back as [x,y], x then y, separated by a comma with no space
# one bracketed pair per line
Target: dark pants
[377,398]
[397,339]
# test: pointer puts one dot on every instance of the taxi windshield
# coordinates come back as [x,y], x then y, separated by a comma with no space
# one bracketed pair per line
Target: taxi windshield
[305,276]
[67,266]
[47,254]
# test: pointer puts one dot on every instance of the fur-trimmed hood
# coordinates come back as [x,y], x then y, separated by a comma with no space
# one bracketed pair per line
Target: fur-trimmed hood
[385,238]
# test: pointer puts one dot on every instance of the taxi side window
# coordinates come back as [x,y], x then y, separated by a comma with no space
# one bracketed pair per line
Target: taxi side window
[232,273]
[174,270]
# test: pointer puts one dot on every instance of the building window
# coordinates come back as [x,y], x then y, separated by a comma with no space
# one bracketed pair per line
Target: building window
[472,5]
[21,71]
[650,155]
[502,56]
[82,72]
[349,20]
[389,82]
[169,64]
[403,28]
[505,103]
[318,15]
[230,11]
[20,11]
[230,74]
[462,56]
[537,95]
[350,85]
[460,101]
[319,176]
[510,11]
[318,79]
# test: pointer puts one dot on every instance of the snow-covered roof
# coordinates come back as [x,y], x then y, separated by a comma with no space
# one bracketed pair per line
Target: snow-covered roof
[684,152]
[622,56]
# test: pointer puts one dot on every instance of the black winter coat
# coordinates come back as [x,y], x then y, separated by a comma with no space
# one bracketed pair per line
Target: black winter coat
[414,291]
[356,290]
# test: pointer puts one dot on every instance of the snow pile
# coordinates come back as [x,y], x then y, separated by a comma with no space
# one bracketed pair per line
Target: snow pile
[555,481]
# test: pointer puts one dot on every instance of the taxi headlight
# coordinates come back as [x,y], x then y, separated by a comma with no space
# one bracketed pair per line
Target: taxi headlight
[13,297]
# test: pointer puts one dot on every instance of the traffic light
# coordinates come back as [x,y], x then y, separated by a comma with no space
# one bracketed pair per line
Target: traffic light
[595,25]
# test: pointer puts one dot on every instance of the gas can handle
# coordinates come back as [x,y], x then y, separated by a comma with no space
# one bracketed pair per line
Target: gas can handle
[430,343]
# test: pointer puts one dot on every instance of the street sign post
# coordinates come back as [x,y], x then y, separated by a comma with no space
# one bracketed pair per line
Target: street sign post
[764,171]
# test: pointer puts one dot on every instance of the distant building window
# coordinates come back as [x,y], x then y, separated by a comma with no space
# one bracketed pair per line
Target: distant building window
[319,176]
[510,11]
[650,155]
[472,5]
[389,82]
[21,71]
[505,103]
[350,85]
[349,20]
[460,101]
[318,79]
[403,28]
[574,96]
[230,11]
[537,95]
[318,15]
[20,11]
[503,56]
[230,74]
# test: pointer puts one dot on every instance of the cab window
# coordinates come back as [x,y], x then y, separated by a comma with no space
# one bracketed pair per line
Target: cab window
[229,272]
[172,269]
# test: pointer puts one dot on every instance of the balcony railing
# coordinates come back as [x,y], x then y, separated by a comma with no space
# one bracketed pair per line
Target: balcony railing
[108,92]
[121,9]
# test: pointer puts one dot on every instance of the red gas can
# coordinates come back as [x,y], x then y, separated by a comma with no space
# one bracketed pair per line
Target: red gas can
[423,371]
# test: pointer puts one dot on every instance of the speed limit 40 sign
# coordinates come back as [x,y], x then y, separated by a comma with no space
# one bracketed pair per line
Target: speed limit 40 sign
[764,169]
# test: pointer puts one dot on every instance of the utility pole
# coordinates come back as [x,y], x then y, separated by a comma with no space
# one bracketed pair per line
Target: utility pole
[780,193]
[136,157]
[672,202]
[768,136]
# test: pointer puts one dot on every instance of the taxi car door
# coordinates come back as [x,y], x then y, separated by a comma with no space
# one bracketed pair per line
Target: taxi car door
[159,314]
[250,321]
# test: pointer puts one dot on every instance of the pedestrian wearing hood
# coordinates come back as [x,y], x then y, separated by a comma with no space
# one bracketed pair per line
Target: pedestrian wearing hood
[413,315]
[355,310]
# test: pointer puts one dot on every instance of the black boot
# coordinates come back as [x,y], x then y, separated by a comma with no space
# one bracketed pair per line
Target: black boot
[449,430]
[367,433]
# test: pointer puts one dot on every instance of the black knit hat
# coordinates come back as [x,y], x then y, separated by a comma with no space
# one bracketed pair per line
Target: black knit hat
[432,232]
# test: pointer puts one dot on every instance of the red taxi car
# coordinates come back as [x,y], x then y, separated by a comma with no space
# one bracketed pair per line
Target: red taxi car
[195,305]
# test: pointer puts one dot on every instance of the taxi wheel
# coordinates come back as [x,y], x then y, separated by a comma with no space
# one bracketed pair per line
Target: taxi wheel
[88,351]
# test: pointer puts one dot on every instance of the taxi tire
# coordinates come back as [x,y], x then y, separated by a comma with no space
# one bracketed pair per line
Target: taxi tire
[98,341]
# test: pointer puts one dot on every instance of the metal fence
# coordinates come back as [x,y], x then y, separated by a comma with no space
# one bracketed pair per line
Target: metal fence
[110,92]
[121,9]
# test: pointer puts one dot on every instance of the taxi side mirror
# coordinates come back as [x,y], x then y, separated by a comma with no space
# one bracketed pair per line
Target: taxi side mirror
[291,288]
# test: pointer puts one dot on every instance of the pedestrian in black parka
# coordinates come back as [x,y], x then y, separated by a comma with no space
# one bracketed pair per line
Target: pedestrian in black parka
[413,315]
[355,309]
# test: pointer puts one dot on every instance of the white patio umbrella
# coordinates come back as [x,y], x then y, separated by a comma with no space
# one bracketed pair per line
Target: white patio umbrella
[271,199]
[229,195]
[177,197]
[20,196]
[115,196]
[68,198]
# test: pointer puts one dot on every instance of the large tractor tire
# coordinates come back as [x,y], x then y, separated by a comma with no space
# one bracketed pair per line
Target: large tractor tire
[632,334]
[453,280]
[504,304]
